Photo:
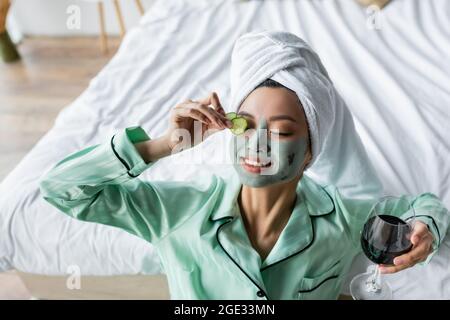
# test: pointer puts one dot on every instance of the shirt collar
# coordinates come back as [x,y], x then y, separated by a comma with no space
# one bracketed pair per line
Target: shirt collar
[317,199]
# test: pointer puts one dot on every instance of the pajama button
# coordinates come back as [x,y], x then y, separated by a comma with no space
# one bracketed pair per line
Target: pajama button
[260,294]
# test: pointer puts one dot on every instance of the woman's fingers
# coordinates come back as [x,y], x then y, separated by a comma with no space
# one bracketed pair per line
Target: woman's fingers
[216,103]
[213,99]
[210,109]
[422,240]
[422,237]
[182,115]
[212,114]
[420,230]
[404,261]
[388,270]
[202,113]
[193,113]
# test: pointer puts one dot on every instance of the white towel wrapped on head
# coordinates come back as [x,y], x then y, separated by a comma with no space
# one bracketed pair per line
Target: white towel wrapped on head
[339,157]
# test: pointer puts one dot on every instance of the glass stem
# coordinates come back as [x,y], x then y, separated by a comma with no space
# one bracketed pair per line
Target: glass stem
[373,281]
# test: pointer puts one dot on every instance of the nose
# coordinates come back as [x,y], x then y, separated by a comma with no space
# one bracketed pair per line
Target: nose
[258,141]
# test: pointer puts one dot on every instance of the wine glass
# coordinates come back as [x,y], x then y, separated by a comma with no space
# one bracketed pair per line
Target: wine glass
[384,237]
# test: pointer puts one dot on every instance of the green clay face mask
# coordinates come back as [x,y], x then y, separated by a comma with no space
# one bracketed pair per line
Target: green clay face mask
[260,161]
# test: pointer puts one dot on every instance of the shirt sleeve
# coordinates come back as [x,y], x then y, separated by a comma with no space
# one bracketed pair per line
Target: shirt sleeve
[100,184]
[428,208]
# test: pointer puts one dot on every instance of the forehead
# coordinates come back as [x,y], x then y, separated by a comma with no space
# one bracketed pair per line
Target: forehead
[268,102]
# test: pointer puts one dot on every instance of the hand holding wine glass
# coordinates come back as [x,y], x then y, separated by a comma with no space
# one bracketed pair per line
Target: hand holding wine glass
[391,243]
[422,245]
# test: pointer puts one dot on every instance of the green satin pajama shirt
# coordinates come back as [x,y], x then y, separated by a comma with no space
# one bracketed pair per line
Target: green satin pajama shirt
[198,231]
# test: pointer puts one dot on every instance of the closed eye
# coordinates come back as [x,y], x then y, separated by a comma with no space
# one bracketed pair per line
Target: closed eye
[281,133]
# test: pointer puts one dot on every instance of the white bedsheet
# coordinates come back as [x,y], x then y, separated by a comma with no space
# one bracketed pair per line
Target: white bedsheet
[395,80]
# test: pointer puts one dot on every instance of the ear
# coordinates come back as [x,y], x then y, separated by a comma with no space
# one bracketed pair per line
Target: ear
[308,158]
[306,161]
[308,153]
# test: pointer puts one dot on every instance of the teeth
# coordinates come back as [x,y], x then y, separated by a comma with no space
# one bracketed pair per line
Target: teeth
[255,163]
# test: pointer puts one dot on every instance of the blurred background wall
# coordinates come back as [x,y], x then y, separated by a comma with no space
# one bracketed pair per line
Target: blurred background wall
[49,17]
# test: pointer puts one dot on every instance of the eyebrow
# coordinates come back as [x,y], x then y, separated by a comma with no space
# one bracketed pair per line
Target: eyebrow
[243,113]
[282,117]
[273,118]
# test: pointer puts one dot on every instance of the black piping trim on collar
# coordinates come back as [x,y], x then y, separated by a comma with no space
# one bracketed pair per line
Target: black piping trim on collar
[310,244]
[312,215]
[254,282]
[298,252]
[279,261]
[121,160]
[329,198]
[221,218]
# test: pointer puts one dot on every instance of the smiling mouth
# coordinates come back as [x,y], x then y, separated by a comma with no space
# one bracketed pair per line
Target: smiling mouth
[254,165]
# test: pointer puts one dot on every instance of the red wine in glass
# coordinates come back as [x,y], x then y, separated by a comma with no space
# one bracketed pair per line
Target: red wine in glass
[384,237]
[393,240]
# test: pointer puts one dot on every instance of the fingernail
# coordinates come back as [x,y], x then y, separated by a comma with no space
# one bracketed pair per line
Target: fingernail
[398,261]
[229,123]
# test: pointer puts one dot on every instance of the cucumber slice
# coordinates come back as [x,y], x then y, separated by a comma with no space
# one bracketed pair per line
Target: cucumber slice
[239,125]
[231,115]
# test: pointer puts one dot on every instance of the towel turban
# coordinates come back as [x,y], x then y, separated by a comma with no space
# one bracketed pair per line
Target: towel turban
[338,155]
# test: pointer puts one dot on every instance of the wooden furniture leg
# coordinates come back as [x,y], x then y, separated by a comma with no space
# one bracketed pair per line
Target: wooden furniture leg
[379,3]
[140,7]
[8,51]
[119,18]
[103,36]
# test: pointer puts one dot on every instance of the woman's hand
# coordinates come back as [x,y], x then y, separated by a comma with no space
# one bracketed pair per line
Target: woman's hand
[422,240]
[209,115]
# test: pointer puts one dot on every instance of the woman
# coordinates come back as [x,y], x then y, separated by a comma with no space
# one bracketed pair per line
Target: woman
[274,233]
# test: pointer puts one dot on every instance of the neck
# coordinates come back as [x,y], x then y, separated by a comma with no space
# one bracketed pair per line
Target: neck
[267,209]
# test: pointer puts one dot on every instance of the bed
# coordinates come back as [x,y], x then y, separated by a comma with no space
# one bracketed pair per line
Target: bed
[393,72]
